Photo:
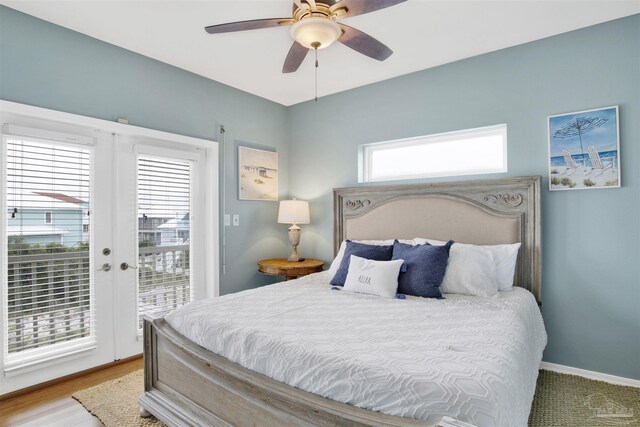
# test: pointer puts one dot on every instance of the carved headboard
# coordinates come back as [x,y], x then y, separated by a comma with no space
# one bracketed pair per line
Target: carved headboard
[483,212]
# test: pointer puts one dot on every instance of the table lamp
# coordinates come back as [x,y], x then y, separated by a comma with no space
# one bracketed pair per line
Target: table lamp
[293,212]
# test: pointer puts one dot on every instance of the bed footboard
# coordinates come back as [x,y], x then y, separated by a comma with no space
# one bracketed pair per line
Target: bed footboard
[187,385]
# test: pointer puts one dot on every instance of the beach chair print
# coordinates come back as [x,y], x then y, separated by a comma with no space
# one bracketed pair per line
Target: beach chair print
[596,162]
[572,166]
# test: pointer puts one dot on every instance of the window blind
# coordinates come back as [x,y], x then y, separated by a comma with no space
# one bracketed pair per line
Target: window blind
[49,291]
[164,228]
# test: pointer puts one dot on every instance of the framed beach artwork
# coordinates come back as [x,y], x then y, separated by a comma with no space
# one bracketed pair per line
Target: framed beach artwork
[257,174]
[584,150]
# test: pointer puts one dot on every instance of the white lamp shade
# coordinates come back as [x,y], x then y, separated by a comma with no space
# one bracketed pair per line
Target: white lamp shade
[293,212]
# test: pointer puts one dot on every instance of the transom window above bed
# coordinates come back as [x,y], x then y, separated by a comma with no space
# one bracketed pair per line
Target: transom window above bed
[466,152]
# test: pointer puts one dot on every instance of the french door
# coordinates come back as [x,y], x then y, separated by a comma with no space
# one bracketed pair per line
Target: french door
[99,229]
[161,251]
[55,300]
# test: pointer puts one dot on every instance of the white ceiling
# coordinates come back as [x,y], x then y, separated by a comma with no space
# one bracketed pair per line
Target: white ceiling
[422,34]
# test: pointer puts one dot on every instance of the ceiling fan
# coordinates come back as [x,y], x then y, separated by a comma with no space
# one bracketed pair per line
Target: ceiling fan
[314,26]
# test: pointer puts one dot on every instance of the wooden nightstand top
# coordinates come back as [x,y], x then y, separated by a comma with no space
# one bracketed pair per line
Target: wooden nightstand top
[289,269]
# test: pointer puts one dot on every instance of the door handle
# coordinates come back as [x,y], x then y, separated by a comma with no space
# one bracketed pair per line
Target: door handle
[105,267]
[125,266]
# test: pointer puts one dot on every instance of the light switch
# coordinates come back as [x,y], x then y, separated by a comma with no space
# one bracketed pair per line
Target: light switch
[236,220]
[227,220]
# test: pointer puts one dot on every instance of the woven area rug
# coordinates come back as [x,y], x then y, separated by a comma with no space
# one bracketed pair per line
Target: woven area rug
[115,402]
[570,401]
[560,401]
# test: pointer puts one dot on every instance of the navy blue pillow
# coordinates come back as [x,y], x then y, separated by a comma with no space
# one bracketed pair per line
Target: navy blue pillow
[425,264]
[374,252]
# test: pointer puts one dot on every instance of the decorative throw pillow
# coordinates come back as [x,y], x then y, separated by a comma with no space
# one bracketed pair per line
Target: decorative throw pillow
[367,276]
[374,252]
[504,257]
[425,268]
[335,264]
[471,270]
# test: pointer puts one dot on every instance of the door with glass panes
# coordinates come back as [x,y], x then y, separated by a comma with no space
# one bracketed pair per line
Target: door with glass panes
[57,298]
[98,231]
[161,250]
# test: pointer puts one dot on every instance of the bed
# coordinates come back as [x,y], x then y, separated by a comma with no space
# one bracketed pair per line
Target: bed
[484,372]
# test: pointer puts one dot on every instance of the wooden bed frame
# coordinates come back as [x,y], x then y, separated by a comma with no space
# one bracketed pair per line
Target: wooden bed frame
[187,385]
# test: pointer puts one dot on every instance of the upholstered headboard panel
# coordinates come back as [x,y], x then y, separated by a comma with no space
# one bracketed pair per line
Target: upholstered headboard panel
[486,212]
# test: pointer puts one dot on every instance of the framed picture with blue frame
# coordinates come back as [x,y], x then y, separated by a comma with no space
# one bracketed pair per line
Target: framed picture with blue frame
[584,150]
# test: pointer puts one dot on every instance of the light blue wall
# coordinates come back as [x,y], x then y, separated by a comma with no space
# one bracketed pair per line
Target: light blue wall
[591,239]
[49,66]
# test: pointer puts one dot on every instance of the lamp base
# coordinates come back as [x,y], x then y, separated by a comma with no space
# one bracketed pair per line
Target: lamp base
[294,238]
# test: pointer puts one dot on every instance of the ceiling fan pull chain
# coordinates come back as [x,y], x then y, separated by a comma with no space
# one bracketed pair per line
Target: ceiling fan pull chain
[316,45]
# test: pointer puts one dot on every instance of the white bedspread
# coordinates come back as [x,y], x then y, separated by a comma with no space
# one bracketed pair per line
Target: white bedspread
[475,359]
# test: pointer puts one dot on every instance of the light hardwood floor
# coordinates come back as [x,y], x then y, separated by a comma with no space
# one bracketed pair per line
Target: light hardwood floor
[53,406]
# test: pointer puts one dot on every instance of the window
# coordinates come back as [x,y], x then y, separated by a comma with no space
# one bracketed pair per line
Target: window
[48,292]
[164,228]
[466,152]
[85,228]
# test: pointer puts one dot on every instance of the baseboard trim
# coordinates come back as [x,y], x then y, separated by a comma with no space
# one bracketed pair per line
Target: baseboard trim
[55,381]
[592,375]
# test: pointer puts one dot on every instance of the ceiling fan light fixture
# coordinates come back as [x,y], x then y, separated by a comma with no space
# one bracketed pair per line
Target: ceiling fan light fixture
[312,30]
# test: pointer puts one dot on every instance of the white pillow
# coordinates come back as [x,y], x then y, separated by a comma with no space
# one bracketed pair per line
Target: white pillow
[335,264]
[367,276]
[471,270]
[422,241]
[504,257]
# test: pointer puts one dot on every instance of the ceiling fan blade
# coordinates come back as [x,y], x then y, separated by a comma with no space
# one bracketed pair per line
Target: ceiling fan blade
[254,24]
[364,43]
[296,55]
[360,7]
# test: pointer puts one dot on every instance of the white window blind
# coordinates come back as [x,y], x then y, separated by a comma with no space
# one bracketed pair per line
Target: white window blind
[48,292]
[465,152]
[164,228]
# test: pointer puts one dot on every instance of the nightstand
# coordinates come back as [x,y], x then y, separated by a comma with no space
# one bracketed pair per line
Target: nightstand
[289,269]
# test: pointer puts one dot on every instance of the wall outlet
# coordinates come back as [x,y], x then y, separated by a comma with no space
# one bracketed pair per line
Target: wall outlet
[236,220]
[227,220]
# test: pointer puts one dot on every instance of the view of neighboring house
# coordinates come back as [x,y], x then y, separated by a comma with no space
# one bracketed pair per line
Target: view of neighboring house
[157,230]
[58,218]
[175,231]
[45,217]
[148,231]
